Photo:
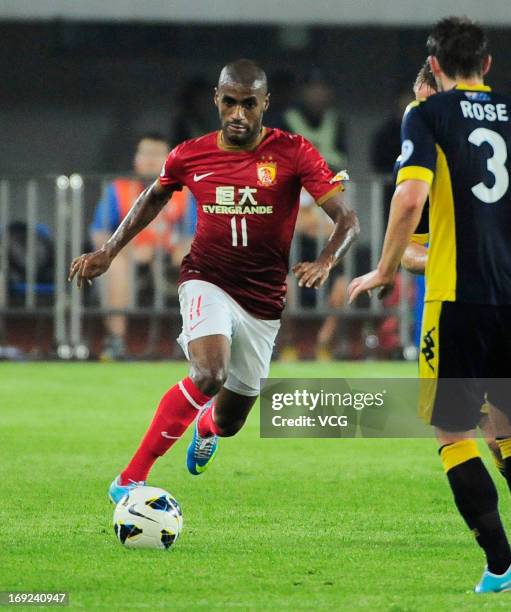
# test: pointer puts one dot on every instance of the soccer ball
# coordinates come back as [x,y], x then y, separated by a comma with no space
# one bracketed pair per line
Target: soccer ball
[148,517]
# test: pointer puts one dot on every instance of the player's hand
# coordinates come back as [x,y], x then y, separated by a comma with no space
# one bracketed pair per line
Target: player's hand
[371,280]
[88,266]
[312,273]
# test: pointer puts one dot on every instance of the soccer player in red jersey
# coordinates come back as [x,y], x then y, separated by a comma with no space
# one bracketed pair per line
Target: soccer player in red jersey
[246,179]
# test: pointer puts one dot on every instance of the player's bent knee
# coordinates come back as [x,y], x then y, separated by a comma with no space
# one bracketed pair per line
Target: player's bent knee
[209,381]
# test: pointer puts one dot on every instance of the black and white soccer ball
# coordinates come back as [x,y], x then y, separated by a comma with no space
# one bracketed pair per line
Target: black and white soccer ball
[148,517]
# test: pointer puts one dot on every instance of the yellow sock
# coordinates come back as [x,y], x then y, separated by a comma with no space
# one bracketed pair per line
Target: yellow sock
[457,453]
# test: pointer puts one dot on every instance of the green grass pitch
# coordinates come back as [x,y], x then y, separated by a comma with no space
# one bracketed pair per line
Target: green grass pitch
[273,525]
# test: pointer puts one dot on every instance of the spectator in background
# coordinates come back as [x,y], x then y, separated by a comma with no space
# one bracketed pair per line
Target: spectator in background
[283,94]
[117,199]
[316,118]
[194,117]
[386,142]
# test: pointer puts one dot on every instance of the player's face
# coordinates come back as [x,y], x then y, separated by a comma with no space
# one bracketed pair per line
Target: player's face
[150,157]
[241,112]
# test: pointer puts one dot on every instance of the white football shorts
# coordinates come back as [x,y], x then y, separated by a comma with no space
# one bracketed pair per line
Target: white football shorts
[207,310]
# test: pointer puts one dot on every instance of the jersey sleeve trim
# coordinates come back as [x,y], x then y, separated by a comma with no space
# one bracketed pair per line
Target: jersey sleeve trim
[415,172]
[411,105]
[170,182]
[326,196]
[420,238]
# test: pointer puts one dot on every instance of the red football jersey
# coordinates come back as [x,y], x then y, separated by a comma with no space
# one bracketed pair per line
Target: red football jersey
[247,204]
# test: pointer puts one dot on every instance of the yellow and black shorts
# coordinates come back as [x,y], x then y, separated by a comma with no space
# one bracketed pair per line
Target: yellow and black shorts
[464,360]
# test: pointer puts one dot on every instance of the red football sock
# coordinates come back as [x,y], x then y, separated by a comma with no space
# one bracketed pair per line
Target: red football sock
[177,409]
[207,426]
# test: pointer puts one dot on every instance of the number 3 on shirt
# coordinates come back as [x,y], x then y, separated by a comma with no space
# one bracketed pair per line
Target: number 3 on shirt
[495,165]
[234,230]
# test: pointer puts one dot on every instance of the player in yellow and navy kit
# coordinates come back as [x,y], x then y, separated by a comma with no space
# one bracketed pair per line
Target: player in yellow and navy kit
[415,259]
[455,147]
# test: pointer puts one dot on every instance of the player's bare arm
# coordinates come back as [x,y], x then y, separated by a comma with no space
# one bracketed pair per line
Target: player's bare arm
[346,230]
[405,212]
[415,258]
[144,210]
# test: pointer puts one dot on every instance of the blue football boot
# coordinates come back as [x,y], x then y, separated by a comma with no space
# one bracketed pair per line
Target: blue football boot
[494,583]
[201,451]
[117,491]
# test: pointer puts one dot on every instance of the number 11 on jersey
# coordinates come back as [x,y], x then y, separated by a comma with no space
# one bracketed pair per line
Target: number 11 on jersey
[234,230]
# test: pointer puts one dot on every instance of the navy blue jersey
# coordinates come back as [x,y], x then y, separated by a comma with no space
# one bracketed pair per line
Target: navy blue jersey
[458,142]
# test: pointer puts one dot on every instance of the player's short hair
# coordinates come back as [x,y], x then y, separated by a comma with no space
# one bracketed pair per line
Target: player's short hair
[460,45]
[426,77]
[153,135]
[245,72]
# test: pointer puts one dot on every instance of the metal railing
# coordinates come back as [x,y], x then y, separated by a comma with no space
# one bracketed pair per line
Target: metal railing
[63,206]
